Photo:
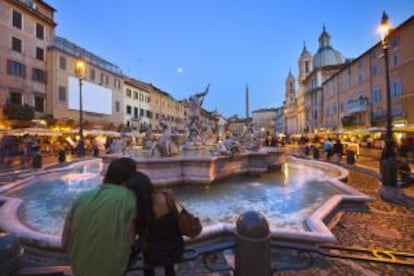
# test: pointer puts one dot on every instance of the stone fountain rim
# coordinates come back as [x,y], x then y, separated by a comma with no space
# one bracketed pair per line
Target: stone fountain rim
[316,222]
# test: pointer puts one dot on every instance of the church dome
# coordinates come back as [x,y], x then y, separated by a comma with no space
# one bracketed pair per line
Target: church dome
[326,55]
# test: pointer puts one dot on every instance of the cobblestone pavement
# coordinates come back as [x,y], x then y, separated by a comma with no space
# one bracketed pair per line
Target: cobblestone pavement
[384,226]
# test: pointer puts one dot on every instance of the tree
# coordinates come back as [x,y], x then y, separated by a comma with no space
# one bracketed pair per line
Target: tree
[19,112]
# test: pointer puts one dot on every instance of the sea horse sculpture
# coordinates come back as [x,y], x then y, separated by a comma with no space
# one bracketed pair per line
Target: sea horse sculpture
[167,145]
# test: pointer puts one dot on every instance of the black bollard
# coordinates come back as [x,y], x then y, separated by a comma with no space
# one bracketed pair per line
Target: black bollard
[315,152]
[389,173]
[61,156]
[37,160]
[307,150]
[252,255]
[10,253]
[350,157]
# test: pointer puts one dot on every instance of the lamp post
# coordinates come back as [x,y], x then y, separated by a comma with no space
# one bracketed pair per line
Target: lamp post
[80,68]
[388,166]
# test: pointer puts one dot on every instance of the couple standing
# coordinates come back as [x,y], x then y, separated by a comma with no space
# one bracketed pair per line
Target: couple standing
[104,222]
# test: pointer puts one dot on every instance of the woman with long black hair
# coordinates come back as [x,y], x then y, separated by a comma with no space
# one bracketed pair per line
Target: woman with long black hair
[156,225]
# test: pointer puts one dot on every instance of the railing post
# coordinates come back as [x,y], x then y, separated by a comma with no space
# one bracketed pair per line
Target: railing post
[252,255]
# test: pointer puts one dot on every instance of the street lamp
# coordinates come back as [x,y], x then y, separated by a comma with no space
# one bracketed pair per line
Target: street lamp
[80,68]
[388,167]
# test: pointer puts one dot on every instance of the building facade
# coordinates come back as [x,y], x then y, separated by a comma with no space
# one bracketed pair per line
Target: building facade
[304,112]
[305,67]
[356,95]
[280,121]
[290,106]
[27,29]
[264,119]
[326,62]
[102,87]
[164,107]
[137,108]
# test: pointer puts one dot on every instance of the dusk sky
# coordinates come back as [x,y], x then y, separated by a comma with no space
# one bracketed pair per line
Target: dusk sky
[181,46]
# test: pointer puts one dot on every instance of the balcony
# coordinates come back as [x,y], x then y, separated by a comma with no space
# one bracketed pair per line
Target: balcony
[357,105]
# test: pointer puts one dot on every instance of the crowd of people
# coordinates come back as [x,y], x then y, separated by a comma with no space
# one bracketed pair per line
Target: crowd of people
[402,153]
[107,226]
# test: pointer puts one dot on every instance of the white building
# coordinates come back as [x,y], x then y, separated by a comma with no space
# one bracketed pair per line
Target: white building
[136,104]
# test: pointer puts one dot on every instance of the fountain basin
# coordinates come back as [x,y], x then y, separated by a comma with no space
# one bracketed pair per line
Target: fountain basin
[204,169]
[313,226]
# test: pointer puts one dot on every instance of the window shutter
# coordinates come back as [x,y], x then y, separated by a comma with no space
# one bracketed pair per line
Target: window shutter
[9,67]
[23,71]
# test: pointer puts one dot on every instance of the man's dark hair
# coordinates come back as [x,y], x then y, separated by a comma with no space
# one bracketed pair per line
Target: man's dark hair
[119,170]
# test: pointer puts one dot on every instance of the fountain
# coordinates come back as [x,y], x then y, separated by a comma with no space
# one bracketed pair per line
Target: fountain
[297,201]
[297,197]
[194,163]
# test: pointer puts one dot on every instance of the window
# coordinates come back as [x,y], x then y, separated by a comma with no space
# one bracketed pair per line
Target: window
[117,106]
[39,104]
[360,78]
[141,113]
[40,31]
[16,98]
[40,54]
[62,94]
[16,44]
[135,112]
[62,62]
[92,74]
[141,97]
[374,69]
[373,54]
[396,88]
[306,66]
[117,83]
[17,19]
[128,93]
[38,75]
[104,79]
[16,69]
[342,107]
[135,95]
[376,95]
[128,109]
[395,60]
[394,41]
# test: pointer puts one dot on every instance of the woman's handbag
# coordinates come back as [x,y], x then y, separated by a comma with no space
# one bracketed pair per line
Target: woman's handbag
[188,224]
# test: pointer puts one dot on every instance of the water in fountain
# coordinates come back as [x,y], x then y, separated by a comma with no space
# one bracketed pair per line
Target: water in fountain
[285,197]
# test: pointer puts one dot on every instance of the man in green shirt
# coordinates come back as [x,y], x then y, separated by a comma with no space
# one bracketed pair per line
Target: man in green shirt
[99,229]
